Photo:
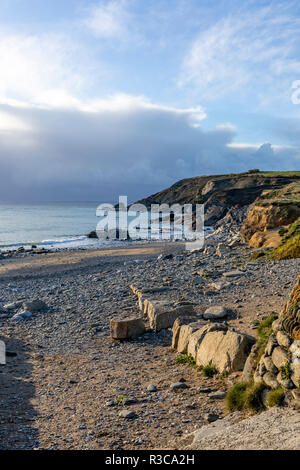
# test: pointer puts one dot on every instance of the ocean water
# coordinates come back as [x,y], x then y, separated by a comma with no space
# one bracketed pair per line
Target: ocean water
[60,226]
[55,225]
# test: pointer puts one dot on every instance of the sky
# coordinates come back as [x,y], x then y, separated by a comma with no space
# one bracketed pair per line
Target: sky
[125,97]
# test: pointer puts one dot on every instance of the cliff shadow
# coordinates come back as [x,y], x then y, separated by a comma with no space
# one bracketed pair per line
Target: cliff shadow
[17,414]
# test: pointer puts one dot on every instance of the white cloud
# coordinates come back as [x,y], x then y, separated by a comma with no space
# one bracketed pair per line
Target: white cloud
[109,20]
[249,49]
[47,69]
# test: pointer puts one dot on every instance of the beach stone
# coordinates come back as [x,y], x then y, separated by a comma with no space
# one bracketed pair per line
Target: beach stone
[230,274]
[219,395]
[126,414]
[215,312]
[35,306]
[279,357]
[22,316]
[13,305]
[177,386]
[151,388]
[211,417]
[126,328]
[226,350]
[219,285]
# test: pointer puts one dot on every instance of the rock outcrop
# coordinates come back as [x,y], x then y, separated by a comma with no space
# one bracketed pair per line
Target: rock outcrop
[279,365]
[271,209]
[212,343]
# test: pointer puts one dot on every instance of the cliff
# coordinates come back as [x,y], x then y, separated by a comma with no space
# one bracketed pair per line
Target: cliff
[219,193]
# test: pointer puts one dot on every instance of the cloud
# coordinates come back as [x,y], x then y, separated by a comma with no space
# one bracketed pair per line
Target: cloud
[109,20]
[250,50]
[47,69]
[126,145]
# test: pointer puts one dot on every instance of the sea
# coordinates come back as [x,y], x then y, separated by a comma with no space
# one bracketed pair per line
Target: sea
[55,226]
[49,225]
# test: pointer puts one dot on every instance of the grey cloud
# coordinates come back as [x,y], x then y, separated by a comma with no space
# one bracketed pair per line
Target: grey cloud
[76,155]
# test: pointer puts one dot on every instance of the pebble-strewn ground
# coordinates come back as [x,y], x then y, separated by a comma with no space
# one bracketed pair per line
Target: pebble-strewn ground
[57,392]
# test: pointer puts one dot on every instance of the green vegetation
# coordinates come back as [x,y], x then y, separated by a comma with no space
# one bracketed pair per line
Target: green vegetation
[279,173]
[285,371]
[121,398]
[209,370]
[288,249]
[224,374]
[290,245]
[253,397]
[265,329]
[275,397]
[245,396]
[235,398]
[186,359]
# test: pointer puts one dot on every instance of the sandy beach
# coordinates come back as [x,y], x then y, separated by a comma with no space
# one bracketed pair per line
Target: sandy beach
[66,381]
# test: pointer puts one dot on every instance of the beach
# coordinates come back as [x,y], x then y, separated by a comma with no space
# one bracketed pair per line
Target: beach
[66,381]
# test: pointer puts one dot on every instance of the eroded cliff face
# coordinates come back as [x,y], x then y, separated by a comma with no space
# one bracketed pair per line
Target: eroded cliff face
[220,193]
[273,209]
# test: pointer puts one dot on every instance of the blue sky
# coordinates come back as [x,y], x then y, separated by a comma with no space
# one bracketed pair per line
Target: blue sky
[115,97]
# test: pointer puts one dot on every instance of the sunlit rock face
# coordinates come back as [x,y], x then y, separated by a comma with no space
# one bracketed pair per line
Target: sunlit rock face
[291,313]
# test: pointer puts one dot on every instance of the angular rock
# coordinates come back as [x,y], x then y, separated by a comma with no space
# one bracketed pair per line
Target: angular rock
[162,315]
[181,320]
[250,364]
[185,334]
[226,350]
[126,328]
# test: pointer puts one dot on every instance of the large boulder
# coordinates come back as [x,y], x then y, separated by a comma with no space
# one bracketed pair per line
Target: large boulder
[225,349]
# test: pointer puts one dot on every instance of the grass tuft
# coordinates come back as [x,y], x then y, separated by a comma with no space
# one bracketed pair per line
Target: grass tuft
[186,359]
[275,397]
[235,398]
[209,371]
